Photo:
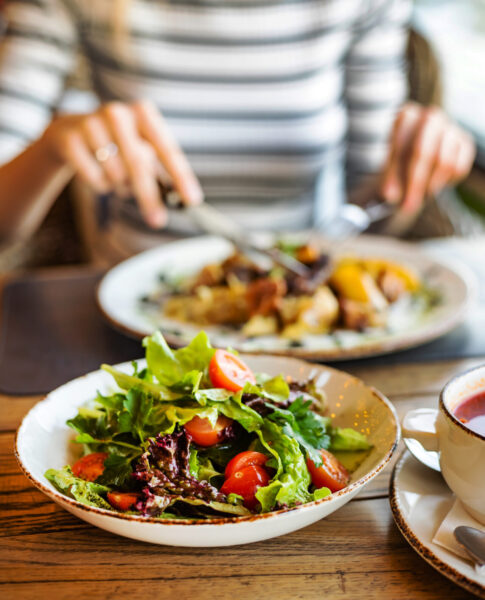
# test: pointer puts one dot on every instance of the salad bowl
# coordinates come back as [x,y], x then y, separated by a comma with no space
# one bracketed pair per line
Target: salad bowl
[44,441]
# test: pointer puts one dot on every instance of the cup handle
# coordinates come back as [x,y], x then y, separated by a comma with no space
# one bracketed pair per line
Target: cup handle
[420,425]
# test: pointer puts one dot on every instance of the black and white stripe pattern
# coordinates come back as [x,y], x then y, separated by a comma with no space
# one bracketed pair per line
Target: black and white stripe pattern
[265,96]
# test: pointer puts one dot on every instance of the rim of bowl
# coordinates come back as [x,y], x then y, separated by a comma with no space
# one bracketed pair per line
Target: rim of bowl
[448,413]
[55,495]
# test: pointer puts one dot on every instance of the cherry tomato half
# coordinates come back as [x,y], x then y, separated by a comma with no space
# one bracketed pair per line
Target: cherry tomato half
[229,372]
[122,500]
[246,483]
[244,459]
[203,433]
[331,473]
[91,466]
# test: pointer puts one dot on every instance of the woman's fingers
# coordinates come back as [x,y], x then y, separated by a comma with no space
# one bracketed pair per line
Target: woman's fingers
[392,187]
[466,155]
[79,156]
[138,162]
[444,166]
[427,152]
[424,153]
[143,146]
[98,138]
[154,129]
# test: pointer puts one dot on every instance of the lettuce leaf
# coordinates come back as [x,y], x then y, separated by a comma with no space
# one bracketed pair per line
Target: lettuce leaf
[292,479]
[167,417]
[311,430]
[160,503]
[194,463]
[201,467]
[101,433]
[275,389]
[348,439]
[117,471]
[128,382]
[320,493]
[235,409]
[206,470]
[171,366]
[212,394]
[188,384]
[135,415]
[86,492]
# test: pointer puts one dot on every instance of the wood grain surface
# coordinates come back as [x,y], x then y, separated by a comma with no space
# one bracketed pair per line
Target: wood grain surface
[355,553]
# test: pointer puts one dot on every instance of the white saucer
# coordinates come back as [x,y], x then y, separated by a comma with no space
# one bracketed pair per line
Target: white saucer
[420,500]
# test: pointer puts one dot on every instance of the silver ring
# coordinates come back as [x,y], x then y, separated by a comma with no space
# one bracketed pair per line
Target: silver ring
[102,154]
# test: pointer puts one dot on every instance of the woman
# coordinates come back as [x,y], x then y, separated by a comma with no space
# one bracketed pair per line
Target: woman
[271,107]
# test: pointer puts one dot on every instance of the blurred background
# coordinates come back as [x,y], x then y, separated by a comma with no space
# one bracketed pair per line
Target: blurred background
[446,54]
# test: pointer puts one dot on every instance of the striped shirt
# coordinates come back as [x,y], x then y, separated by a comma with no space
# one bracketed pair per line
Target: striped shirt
[272,100]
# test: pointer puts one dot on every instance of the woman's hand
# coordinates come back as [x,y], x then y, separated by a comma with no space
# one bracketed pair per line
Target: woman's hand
[427,153]
[122,146]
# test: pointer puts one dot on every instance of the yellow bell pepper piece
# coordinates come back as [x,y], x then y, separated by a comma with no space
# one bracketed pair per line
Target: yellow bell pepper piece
[353,283]
[375,266]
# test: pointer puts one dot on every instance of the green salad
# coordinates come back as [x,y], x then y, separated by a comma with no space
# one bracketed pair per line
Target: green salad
[196,434]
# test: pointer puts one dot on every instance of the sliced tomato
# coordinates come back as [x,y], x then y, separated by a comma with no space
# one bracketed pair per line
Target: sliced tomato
[331,473]
[91,466]
[203,433]
[244,459]
[229,372]
[246,483]
[122,500]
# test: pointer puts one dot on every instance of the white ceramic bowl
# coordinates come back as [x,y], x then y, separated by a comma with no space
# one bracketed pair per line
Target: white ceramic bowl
[43,441]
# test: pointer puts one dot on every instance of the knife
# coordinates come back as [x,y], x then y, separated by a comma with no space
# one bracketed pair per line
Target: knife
[213,221]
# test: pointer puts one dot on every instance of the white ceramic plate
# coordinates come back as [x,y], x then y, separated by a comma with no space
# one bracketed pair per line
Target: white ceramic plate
[420,500]
[43,441]
[123,286]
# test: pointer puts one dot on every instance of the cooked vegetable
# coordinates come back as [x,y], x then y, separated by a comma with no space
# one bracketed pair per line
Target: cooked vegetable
[354,283]
[350,293]
[195,434]
[377,266]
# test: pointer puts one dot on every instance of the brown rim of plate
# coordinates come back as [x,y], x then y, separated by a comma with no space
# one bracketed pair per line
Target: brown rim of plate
[55,495]
[377,348]
[447,412]
[425,552]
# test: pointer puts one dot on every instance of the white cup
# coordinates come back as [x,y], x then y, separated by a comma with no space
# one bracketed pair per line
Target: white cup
[462,451]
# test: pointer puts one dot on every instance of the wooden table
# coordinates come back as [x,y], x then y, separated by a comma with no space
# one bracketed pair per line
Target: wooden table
[356,553]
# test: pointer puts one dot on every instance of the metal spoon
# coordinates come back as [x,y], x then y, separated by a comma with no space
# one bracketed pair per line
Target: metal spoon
[473,541]
[426,457]
[352,219]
